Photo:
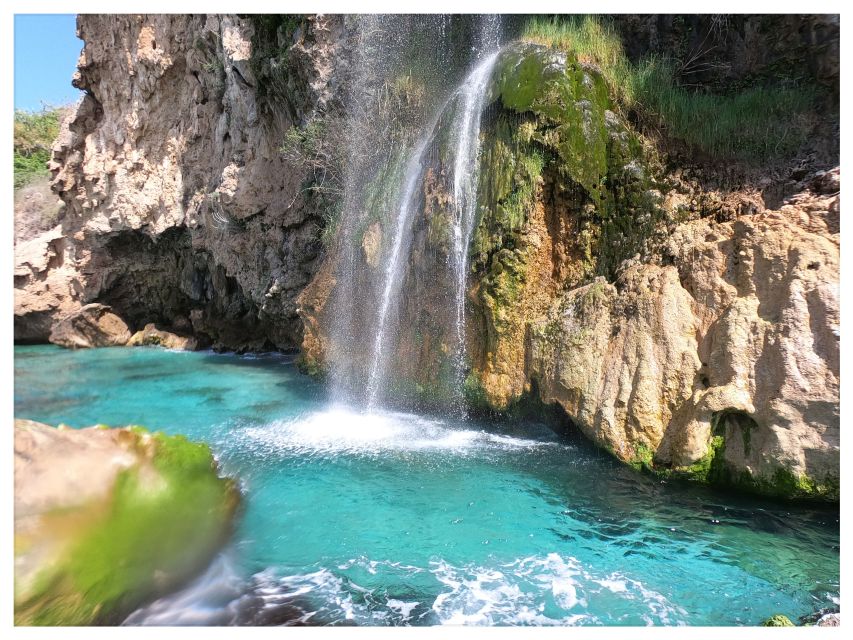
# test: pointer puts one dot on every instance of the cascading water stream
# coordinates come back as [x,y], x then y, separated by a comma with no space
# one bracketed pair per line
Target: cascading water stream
[472,96]
[393,275]
[469,101]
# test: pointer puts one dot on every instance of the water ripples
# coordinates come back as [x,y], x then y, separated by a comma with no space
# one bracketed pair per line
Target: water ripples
[537,590]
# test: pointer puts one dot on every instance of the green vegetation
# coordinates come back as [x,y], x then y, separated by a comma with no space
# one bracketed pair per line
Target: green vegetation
[755,123]
[643,457]
[511,171]
[713,469]
[564,127]
[476,398]
[777,621]
[270,61]
[34,134]
[313,147]
[156,529]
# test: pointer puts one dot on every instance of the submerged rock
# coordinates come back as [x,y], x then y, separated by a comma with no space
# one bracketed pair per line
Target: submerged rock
[830,620]
[94,325]
[150,335]
[106,519]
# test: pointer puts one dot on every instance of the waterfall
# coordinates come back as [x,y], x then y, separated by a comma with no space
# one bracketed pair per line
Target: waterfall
[465,182]
[469,101]
[365,328]
[393,274]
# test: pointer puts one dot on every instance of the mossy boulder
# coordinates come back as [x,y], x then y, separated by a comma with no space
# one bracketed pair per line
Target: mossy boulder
[777,621]
[567,192]
[107,519]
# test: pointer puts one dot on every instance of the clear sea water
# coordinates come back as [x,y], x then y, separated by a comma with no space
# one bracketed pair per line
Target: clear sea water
[400,519]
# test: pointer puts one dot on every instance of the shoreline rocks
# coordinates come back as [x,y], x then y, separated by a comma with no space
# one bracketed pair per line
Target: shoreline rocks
[94,325]
[150,335]
[107,519]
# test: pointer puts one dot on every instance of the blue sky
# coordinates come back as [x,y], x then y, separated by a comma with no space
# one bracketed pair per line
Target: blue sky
[46,52]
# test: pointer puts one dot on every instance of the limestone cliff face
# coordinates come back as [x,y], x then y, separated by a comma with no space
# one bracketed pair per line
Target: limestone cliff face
[724,361]
[693,344]
[179,206]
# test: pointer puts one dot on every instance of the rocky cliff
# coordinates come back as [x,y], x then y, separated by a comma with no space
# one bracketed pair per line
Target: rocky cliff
[682,311]
[720,362]
[180,209]
[686,318]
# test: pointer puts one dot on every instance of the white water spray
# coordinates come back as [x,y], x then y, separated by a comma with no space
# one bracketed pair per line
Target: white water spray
[393,274]
[472,96]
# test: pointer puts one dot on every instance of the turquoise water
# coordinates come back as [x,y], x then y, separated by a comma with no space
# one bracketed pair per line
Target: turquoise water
[402,519]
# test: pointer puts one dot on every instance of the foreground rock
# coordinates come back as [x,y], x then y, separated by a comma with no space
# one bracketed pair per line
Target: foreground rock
[150,335]
[830,620]
[94,325]
[106,519]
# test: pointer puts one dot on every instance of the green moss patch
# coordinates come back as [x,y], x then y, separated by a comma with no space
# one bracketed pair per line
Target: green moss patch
[768,118]
[777,621]
[713,469]
[162,522]
[559,117]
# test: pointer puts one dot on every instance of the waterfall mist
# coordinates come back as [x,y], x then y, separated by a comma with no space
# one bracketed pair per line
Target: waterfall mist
[413,79]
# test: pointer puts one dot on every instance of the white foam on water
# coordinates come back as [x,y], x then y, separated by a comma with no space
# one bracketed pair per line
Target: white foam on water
[536,590]
[340,430]
[212,599]
[549,590]
[403,608]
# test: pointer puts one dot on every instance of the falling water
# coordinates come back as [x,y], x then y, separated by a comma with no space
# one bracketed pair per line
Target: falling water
[465,179]
[365,330]
[393,274]
[468,101]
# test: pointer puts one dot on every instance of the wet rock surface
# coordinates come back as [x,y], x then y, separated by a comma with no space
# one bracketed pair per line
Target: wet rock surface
[108,518]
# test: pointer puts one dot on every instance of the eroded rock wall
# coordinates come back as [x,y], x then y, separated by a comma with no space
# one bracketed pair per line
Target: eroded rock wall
[722,360]
[179,206]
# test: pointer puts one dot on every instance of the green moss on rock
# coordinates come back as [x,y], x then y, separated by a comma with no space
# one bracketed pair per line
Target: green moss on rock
[777,621]
[713,469]
[162,521]
[561,118]
[310,366]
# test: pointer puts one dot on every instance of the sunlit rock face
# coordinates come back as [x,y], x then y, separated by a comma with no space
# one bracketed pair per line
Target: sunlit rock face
[180,208]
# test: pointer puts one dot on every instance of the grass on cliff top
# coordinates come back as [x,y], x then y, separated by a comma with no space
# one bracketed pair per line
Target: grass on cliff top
[34,134]
[757,123]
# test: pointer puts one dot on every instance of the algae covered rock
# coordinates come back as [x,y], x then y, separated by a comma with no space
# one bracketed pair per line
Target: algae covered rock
[106,519]
[94,325]
[777,621]
[567,192]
